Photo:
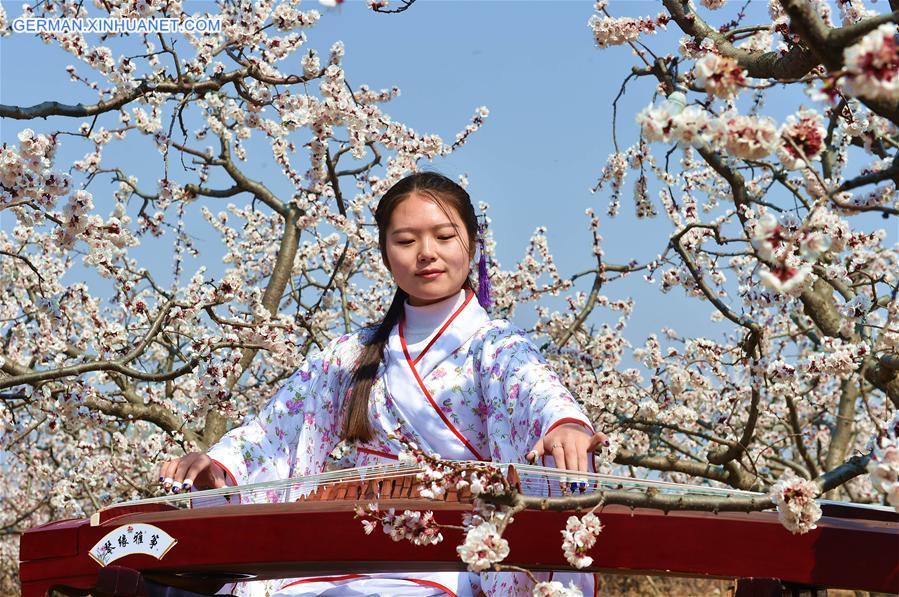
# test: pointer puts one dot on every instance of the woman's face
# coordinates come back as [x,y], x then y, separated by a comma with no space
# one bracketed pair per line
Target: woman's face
[428,251]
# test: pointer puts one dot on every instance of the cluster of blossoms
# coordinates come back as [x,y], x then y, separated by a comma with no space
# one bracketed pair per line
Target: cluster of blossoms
[799,140]
[786,280]
[484,546]
[721,75]
[27,173]
[872,65]
[789,247]
[837,358]
[476,122]
[853,12]
[748,137]
[742,136]
[883,468]
[611,31]
[75,218]
[796,506]
[420,528]
[437,474]
[613,174]
[579,537]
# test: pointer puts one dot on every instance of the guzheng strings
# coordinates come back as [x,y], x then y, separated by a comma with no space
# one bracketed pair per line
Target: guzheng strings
[534,480]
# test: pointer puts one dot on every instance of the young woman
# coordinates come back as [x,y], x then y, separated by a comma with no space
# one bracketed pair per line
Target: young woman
[457,382]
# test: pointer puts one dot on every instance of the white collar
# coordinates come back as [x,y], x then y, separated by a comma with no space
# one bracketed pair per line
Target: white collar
[469,317]
[421,322]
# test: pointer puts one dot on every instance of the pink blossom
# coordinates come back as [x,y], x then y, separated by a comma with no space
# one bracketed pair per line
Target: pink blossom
[420,528]
[883,468]
[694,125]
[872,64]
[749,137]
[857,306]
[766,237]
[720,75]
[813,244]
[483,547]
[796,506]
[836,358]
[785,280]
[611,31]
[579,537]
[803,132]
[656,124]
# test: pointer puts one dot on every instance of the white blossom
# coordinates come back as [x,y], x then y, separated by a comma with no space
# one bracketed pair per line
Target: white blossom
[483,547]
[720,75]
[883,468]
[579,537]
[796,506]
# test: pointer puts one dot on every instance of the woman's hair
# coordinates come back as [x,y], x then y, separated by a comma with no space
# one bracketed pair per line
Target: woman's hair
[357,425]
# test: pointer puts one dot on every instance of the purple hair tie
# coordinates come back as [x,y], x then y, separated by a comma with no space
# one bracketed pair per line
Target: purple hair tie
[484,297]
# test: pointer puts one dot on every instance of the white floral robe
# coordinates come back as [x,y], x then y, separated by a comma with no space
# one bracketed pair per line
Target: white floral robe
[479,391]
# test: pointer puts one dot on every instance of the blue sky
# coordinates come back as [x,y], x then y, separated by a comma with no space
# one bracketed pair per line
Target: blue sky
[533,64]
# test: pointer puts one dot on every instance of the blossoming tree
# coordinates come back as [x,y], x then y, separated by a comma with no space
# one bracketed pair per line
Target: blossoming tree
[774,226]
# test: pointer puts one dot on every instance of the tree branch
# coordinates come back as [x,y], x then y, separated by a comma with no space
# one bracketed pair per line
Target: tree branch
[45,109]
[215,424]
[797,62]
[736,449]
[817,36]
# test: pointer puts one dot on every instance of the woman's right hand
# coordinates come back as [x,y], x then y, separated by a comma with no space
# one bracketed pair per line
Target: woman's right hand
[192,470]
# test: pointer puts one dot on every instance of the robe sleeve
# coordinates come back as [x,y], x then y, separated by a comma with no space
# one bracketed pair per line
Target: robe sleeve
[296,430]
[526,399]
[525,396]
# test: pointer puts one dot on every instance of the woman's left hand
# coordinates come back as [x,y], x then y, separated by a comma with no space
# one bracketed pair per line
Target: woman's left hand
[569,445]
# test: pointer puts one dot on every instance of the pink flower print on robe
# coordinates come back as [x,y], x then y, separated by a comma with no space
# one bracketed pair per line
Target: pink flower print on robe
[482,410]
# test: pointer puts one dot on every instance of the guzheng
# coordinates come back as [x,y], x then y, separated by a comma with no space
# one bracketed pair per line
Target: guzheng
[306,527]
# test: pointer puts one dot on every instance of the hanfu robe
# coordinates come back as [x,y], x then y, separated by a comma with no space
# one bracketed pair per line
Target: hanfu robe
[480,390]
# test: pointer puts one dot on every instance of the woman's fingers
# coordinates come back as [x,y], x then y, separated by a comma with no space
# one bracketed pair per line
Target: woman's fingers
[570,445]
[570,448]
[184,465]
[196,472]
[178,474]
[599,439]
[582,459]
[575,450]
[557,449]
[536,452]
[166,471]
